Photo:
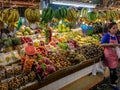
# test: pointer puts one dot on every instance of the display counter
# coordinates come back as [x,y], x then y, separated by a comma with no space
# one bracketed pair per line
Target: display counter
[63,77]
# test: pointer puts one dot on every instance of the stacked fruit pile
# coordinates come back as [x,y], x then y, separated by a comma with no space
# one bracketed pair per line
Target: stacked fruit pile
[24,31]
[44,66]
[63,28]
[85,40]
[74,58]
[59,60]
[91,51]
[25,40]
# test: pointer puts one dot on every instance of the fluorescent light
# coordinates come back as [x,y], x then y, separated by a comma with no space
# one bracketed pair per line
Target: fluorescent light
[75,4]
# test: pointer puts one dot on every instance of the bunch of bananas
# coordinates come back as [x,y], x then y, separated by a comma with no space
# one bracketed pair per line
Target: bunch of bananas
[84,12]
[9,16]
[60,13]
[93,16]
[13,16]
[47,15]
[72,14]
[32,15]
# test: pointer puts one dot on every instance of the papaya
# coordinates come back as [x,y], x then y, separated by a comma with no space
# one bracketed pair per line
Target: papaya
[30,50]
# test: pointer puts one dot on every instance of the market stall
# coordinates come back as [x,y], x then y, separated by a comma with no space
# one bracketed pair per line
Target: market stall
[54,45]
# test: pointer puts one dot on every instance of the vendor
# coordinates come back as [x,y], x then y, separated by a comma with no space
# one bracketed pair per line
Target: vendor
[109,42]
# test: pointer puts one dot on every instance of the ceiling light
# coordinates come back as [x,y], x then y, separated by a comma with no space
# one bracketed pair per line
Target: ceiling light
[74,4]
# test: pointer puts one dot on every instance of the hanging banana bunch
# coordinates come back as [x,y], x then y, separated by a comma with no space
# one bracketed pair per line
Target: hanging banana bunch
[60,13]
[47,15]
[84,12]
[1,21]
[72,15]
[5,15]
[10,17]
[92,16]
[32,15]
[13,16]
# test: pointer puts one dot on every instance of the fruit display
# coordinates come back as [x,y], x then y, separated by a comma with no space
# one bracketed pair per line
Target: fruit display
[2,73]
[3,86]
[85,40]
[11,42]
[59,60]
[25,40]
[32,76]
[41,50]
[23,31]
[9,57]
[9,71]
[63,46]
[74,58]
[72,44]
[27,63]
[14,83]
[91,51]
[63,28]
[65,36]
[44,67]
[36,43]
[32,15]
[30,49]
[54,46]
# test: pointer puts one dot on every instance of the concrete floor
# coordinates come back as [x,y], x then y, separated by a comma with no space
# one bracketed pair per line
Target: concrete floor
[90,82]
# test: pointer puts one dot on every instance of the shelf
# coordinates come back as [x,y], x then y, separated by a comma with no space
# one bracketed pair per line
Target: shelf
[18,3]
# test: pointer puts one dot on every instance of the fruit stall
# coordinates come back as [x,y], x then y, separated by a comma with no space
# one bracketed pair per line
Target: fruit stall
[54,46]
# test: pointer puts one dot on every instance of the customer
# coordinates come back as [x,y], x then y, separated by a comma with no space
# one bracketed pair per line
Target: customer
[109,42]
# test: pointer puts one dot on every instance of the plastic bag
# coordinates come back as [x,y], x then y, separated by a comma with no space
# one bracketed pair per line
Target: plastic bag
[101,68]
[118,52]
[94,69]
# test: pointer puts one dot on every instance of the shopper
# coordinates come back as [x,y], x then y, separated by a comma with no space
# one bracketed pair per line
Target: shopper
[109,42]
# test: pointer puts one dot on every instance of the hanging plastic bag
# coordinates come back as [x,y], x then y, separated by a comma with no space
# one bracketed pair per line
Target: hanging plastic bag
[118,52]
[94,69]
[100,67]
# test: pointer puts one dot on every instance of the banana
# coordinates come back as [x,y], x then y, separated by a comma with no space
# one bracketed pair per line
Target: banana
[16,16]
[11,17]
[84,12]
[28,14]
[5,15]
[44,12]
[37,15]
